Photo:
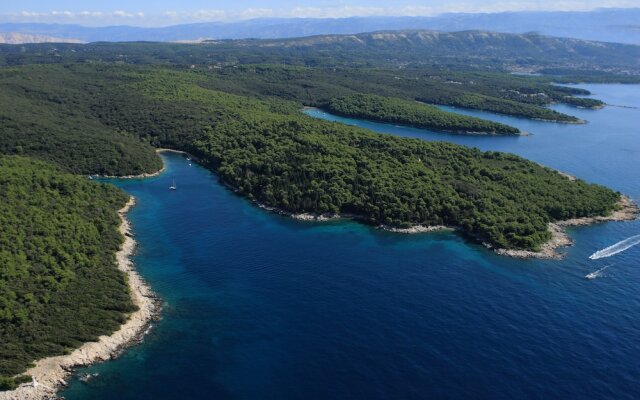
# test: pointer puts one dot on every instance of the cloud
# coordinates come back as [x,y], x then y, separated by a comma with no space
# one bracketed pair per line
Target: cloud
[86,17]
[434,7]
[90,13]
[30,14]
[122,14]
[67,14]
[335,12]
[203,15]
[468,6]
[251,13]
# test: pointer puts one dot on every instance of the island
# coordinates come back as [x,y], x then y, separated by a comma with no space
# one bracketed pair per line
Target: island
[72,111]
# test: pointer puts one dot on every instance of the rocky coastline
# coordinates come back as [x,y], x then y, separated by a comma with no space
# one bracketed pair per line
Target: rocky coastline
[445,131]
[417,229]
[627,210]
[51,373]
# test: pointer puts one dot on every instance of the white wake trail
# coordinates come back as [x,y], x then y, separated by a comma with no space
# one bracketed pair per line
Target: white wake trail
[616,248]
[598,273]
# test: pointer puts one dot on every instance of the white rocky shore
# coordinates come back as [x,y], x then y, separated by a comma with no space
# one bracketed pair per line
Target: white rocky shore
[50,373]
[417,229]
[559,238]
[140,176]
[315,217]
[627,211]
[300,216]
[312,217]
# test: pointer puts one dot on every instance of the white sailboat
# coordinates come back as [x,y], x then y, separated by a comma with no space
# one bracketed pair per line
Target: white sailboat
[173,186]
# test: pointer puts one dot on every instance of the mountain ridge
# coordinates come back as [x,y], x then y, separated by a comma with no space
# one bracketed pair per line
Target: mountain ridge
[415,46]
[609,25]
[470,49]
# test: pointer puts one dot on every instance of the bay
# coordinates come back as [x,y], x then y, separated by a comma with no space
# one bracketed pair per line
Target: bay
[258,306]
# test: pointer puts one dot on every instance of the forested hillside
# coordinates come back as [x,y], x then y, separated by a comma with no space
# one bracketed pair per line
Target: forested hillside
[495,92]
[315,75]
[102,108]
[424,46]
[41,116]
[59,286]
[397,111]
[269,151]
[417,48]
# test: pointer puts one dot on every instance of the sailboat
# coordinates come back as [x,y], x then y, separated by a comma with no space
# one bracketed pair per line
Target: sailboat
[173,186]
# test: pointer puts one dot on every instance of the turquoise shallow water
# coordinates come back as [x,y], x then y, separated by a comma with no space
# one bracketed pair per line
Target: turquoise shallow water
[258,306]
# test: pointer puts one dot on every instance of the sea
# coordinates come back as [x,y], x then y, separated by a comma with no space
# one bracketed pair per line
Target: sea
[259,306]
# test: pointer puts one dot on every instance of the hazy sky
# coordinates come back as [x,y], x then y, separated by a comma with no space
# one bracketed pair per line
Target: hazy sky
[165,12]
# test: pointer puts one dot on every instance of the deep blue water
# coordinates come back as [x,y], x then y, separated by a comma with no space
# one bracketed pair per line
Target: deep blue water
[262,307]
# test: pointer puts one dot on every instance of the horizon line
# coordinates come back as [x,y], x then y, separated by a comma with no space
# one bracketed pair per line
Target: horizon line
[294,17]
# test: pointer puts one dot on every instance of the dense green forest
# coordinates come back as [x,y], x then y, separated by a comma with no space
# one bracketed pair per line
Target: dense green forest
[59,286]
[51,121]
[102,108]
[267,150]
[495,92]
[397,111]
[453,69]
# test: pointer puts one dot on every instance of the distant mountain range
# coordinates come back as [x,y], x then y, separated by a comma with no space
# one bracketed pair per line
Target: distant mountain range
[466,47]
[402,48]
[608,25]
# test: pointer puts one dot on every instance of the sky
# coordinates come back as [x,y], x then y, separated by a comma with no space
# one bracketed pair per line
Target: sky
[165,12]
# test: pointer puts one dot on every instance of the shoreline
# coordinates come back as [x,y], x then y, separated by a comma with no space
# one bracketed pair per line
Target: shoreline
[418,229]
[437,130]
[627,211]
[50,373]
[166,150]
[565,174]
[148,174]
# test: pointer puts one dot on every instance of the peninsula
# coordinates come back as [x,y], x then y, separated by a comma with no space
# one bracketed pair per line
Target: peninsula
[68,111]
[66,276]
[266,150]
[397,111]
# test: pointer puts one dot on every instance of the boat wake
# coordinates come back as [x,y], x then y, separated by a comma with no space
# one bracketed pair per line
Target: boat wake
[616,248]
[598,273]
[621,106]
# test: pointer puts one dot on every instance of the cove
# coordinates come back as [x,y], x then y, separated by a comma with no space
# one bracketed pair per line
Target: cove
[258,306]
